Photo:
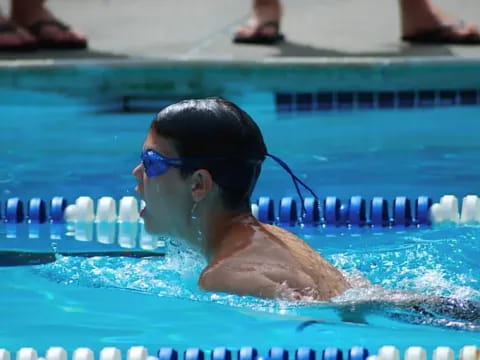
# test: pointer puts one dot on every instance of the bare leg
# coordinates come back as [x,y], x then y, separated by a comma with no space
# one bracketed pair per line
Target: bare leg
[422,15]
[28,12]
[264,11]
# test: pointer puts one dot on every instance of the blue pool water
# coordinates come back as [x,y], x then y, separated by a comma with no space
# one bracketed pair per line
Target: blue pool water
[73,150]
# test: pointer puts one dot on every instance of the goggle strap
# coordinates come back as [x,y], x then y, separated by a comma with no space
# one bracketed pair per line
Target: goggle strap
[295,180]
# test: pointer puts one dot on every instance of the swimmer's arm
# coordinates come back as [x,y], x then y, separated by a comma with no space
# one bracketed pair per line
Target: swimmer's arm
[245,282]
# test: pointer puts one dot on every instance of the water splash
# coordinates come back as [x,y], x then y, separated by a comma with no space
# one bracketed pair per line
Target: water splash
[414,268]
[438,263]
[175,276]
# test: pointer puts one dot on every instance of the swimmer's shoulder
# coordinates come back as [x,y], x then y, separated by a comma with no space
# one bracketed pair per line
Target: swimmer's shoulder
[311,267]
[281,234]
[264,234]
[268,272]
[256,260]
[294,244]
[252,238]
[241,278]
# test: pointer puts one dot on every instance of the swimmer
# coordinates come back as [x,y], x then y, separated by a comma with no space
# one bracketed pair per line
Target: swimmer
[200,162]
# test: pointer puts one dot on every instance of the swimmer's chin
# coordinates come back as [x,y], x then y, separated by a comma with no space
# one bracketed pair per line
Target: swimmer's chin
[153,228]
[147,223]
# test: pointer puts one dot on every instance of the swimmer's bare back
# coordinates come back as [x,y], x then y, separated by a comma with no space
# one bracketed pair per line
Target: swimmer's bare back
[265,261]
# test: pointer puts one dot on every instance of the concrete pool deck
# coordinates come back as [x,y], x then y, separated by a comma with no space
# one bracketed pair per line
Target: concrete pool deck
[172,49]
[316,31]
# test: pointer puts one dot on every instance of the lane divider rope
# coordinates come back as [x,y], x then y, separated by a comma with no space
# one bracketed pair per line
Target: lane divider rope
[82,220]
[469,352]
[330,212]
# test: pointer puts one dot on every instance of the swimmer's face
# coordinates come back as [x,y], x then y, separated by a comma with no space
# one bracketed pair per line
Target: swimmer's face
[167,196]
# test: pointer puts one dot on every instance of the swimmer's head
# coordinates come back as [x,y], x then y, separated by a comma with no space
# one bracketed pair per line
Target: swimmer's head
[221,148]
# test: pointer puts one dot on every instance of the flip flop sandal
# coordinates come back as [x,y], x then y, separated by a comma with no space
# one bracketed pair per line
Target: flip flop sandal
[8,27]
[443,35]
[36,29]
[259,37]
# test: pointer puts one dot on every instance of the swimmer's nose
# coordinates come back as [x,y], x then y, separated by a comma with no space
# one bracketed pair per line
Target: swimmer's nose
[139,190]
[137,172]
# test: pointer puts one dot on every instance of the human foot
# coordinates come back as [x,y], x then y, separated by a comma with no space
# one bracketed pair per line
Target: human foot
[263,27]
[13,38]
[423,22]
[49,32]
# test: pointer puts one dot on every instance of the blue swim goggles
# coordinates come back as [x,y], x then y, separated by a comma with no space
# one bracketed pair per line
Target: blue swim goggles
[156,164]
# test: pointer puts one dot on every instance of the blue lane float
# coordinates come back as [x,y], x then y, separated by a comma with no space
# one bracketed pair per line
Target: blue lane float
[37,211]
[344,214]
[57,209]
[305,353]
[247,353]
[288,215]
[402,212]
[278,353]
[379,212]
[357,211]
[266,210]
[311,217]
[422,206]
[221,353]
[332,353]
[357,353]
[194,354]
[14,211]
[331,210]
[167,354]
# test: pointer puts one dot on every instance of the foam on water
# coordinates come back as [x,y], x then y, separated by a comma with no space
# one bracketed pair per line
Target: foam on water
[435,262]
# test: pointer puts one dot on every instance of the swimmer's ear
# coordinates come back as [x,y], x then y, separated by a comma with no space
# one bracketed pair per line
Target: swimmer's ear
[202,184]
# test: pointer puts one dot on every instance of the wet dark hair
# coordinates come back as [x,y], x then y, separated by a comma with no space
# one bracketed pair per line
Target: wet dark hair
[216,135]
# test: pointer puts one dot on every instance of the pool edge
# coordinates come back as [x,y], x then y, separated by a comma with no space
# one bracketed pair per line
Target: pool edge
[181,77]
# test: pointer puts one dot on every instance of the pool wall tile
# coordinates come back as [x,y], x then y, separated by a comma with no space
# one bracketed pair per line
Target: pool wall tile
[324,100]
[350,100]
[304,101]
[468,97]
[447,97]
[284,101]
[345,100]
[406,99]
[365,100]
[386,99]
[426,98]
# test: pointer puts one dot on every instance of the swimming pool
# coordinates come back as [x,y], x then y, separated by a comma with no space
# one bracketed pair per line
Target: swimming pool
[66,147]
